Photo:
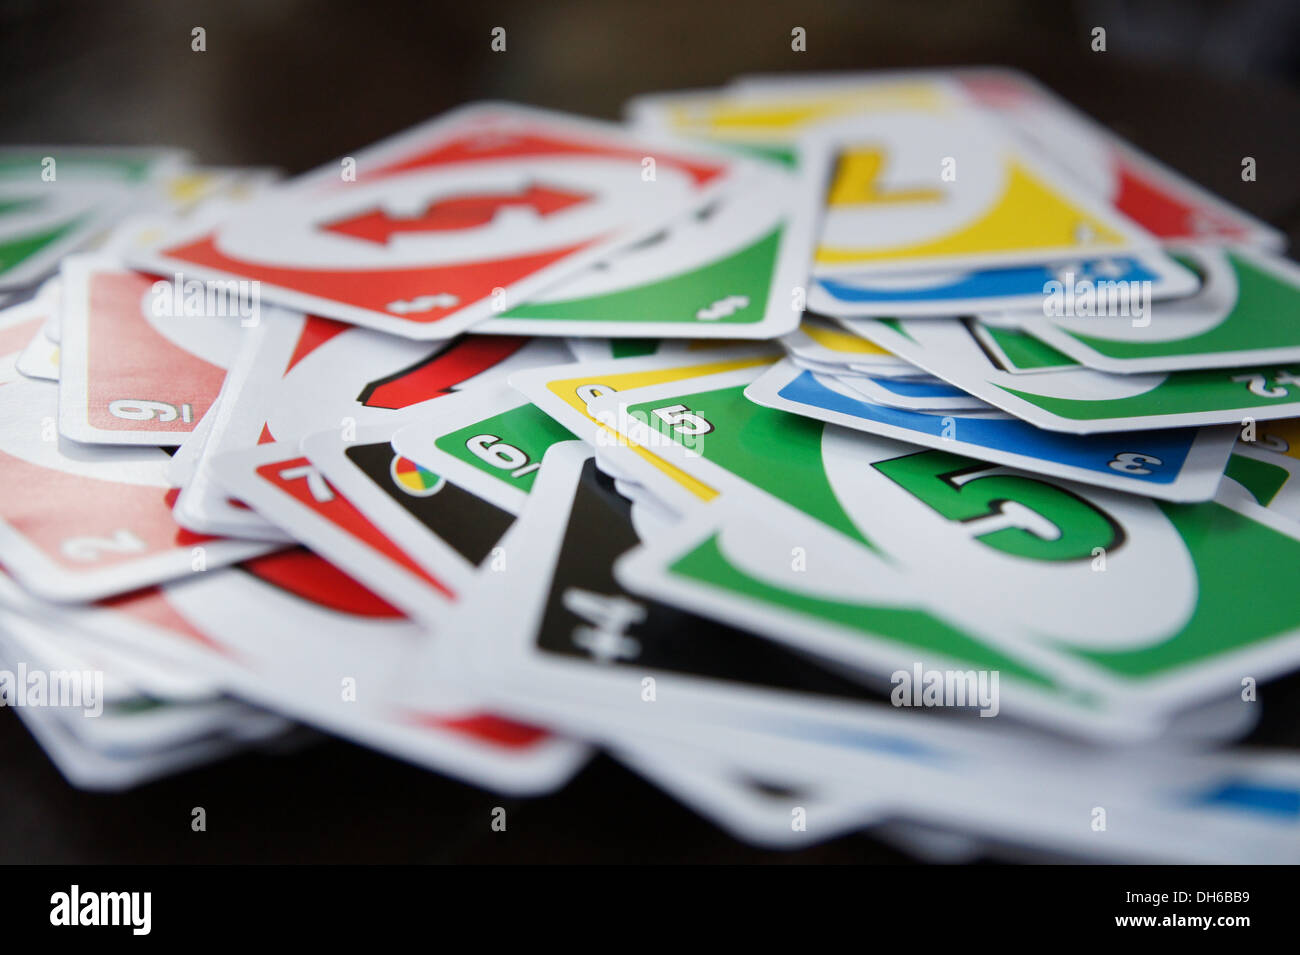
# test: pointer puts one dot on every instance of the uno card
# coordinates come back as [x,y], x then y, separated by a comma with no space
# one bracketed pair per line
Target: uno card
[1180,464]
[191,189]
[20,326]
[911,394]
[450,530]
[283,485]
[137,366]
[490,440]
[314,373]
[1178,805]
[571,621]
[570,633]
[1012,348]
[454,221]
[918,294]
[44,649]
[406,512]
[902,502]
[715,565]
[770,123]
[156,678]
[845,567]
[1265,478]
[202,505]
[291,632]
[185,460]
[50,292]
[120,719]
[897,202]
[732,269]
[55,199]
[1243,315]
[820,342]
[572,643]
[302,374]
[79,522]
[40,359]
[435,515]
[1085,401]
[1166,204]
[563,393]
[1282,437]
[85,767]
[399,511]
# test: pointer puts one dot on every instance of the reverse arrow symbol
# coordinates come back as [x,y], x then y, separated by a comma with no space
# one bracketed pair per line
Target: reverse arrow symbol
[454,214]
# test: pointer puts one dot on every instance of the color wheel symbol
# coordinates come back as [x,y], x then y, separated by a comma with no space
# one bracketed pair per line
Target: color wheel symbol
[413,479]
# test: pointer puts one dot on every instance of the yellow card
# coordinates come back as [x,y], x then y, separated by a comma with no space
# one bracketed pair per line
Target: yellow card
[564,397]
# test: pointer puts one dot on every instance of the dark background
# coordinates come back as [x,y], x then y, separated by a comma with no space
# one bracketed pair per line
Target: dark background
[291,83]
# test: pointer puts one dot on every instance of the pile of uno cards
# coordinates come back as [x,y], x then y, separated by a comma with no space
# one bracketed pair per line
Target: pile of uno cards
[897,452]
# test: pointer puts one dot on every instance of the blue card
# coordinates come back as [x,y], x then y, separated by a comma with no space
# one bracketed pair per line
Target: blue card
[1175,464]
